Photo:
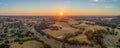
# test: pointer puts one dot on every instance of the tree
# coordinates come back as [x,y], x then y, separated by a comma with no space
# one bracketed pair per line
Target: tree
[21,42]
[103,47]
[4,46]
[63,45]
[47,46]
[6,42]
[119,40]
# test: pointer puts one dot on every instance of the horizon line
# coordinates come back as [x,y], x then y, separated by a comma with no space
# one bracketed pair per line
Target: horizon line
[56,15]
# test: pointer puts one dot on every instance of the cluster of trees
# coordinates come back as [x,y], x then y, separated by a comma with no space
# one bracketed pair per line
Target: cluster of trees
[69,35]
[118,43]
[76,42]
[106,24]
[80,28]
[4,46]
[9,32]
[19,34]
[55,28]
[21,41]
[96,37]
[110,32]
[63,45]
[14,25]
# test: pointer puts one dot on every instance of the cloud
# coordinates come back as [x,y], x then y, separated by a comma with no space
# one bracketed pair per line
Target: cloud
[104,0]
[110,0]
[110,6]
[96,0]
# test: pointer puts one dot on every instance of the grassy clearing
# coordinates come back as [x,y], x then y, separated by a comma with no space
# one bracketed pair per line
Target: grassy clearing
[80,38]
[28,44]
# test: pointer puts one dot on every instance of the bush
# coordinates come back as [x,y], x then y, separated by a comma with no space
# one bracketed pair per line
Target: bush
[47,46]
[21,42]
[6,42]
[4,46]
[63,45]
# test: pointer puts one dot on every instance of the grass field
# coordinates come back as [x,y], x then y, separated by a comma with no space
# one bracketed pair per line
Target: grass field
[65,29]
[80,38]
[28,44]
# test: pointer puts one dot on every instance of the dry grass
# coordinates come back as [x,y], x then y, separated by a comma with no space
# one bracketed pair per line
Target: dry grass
[65,29]
[28,44]
[80,38]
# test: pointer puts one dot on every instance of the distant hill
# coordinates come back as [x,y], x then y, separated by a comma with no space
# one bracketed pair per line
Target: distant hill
[116,20]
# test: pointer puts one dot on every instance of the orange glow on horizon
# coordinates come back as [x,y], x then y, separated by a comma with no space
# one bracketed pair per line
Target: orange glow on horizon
[60,13]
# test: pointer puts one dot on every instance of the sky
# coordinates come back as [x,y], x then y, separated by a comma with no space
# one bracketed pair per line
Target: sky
[53,7]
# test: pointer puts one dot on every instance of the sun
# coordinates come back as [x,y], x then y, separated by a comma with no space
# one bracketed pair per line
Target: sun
[61,13]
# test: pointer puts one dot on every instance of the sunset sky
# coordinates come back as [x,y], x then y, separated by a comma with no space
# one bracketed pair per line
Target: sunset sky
[53,7]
